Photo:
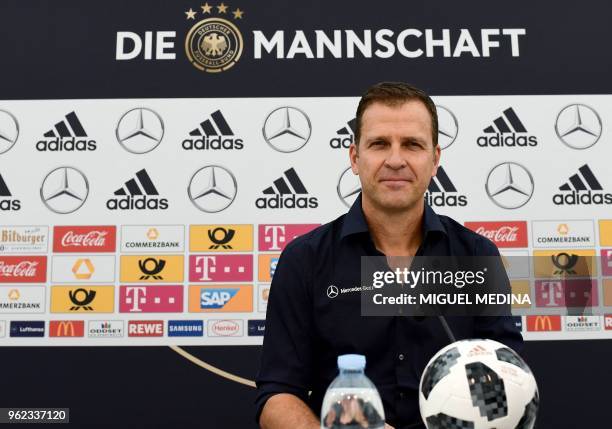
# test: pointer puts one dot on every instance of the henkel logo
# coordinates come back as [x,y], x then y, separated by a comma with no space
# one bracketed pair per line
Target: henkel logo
[23,239]
[145,328]
[84,239]
[267,266]
[233,298]
[503,234]
[606,262]
[23,269]
[151,299]
[221,268]
[608,322]
[543,323]
[574,293]
[274,238]
[66,328]
[226,328]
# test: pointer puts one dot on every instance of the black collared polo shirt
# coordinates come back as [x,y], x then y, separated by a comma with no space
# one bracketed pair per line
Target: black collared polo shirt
[307,328]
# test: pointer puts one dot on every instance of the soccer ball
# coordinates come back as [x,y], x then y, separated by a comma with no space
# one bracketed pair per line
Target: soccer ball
[478,384]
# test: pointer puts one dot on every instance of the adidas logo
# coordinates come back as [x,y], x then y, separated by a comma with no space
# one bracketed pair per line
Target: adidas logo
[346,136]
[284,194]
[6,201]
[66,135]
[214,133]
[582,188]
[441,192]
[507,130]
[138,193]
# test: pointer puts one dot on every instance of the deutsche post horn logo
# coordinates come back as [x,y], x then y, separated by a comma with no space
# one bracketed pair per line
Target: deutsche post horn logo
[221,237]
[81,298]
[564,262]
[151,267]
[214,44]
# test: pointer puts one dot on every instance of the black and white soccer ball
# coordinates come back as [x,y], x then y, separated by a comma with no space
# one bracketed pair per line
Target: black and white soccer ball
[478,384]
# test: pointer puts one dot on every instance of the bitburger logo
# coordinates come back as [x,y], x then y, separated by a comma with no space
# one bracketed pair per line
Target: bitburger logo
[138,193]
[582,188]
[67,135]
[213,134]
[287,192]
[214,44]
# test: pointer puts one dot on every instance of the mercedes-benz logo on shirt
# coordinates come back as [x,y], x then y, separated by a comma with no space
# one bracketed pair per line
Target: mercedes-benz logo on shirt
[140,130]
[287,129]
[64,190]
[9,130]
[332,291]
[212,188]
[448,127]
[509,185]
[348,187]
[578,126]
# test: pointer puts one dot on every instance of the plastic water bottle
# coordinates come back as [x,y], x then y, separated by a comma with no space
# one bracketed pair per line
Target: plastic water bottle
[351,400]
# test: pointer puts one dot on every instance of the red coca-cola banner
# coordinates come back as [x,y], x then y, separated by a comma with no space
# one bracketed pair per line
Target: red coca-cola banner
[23,269]
[503,234]
[82,239]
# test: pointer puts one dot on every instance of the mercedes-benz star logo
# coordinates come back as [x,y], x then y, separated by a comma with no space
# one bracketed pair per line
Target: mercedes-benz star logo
[448,127]
[509,185]
[212,188]
[64,190]
[578,126]
[348,187]
[287,129]
[9,130]
[140,130]
[332,291]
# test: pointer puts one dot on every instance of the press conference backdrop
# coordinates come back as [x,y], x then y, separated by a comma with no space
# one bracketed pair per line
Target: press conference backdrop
[156,157]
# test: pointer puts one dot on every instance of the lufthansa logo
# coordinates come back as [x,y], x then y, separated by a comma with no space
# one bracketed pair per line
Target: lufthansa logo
[213,45]
[332,291]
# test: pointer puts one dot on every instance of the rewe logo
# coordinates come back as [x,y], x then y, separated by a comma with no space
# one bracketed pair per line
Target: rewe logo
[216,298]
[345,136]
[442,192]
[7,202]
[507,130]
[138,194]
[284,194]
[67,135]
[582,188]
[207,137]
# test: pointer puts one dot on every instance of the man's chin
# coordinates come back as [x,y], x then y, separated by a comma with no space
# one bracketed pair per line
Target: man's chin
[397,204]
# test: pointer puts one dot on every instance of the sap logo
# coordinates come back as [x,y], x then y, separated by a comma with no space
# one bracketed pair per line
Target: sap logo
[273,263]
[216,298]
[130,45]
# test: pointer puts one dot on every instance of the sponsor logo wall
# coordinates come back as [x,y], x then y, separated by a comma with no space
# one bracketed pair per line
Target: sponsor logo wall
[125,235]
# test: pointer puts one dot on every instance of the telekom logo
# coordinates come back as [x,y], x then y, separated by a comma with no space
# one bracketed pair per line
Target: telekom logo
[606,262]
[566,293]
[551,294]
[221,268]
[273,238]
[150,299]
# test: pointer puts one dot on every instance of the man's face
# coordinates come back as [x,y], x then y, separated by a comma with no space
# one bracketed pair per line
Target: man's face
[395,159]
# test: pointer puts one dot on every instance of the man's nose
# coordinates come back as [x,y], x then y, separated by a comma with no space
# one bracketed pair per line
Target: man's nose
[395,159]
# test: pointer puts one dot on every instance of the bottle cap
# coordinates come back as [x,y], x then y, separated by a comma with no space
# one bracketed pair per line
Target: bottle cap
[351,362]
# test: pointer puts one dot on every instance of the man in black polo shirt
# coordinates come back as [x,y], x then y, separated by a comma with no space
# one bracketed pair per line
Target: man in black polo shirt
[310,320]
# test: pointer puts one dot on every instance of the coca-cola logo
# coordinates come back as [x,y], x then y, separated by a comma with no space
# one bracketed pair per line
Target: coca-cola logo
[504,234]
[21,269]
[225,328]
[92,238]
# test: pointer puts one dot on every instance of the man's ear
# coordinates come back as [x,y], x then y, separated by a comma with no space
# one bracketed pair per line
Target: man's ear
[436,160]
[353,156]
